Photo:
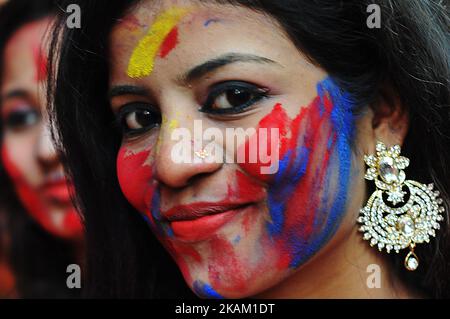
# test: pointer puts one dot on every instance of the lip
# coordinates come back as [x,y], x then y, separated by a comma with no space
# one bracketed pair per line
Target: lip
[199,221]
[56,191]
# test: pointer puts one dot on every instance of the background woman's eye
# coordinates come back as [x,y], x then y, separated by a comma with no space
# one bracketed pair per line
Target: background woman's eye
[136,119]
[21,119]
[233,97]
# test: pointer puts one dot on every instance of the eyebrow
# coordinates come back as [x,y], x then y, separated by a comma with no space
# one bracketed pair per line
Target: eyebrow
[194,73]
[127,89]
[221,61]
[17,93]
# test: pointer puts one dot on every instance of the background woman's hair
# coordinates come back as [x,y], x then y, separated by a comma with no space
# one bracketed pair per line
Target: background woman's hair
[408,55]
[38,259]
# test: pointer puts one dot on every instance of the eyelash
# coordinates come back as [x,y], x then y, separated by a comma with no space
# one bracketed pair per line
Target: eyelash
[129,109]
[221,88]
[21,119]
[256,93]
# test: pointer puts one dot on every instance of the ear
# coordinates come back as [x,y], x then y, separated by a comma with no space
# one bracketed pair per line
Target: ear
[387,121]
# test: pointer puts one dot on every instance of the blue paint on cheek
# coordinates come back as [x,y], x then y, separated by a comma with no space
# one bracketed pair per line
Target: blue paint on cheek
[343,123]
[291,170]
[155,206]
[237,239]
[330,143]
[328,217]
[162,229]
[205,291]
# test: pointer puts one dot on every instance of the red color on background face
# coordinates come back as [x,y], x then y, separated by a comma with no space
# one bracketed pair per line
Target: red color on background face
[28,155]
[63,222]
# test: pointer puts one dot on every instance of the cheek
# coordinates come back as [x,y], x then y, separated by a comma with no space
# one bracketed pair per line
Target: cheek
[136,179]
[18,159]
[307,196]
[70,227]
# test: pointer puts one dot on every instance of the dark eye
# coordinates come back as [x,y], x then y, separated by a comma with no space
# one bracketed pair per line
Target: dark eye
[137,118]
[232,97]
[21,119]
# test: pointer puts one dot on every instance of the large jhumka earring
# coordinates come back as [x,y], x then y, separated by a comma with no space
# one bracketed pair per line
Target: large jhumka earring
[400,213]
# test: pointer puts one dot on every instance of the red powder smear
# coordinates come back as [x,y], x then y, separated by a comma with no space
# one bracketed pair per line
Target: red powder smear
[183,255]
[170,42]
[317,131]
[248,189]
[300,222]
[225,270]
[284,260]
[277,119]
[310,130]
[40,62]
[30,199]
[187,250]
[136,179]
[247,222]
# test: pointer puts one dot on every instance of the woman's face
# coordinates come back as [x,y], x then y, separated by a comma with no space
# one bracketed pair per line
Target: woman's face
[191,81]
[27,151]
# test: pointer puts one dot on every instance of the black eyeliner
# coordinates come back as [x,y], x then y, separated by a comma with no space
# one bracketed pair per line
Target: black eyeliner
[223,87]
[126,110]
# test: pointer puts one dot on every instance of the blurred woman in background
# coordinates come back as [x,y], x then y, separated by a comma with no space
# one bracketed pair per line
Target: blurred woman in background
[43,229]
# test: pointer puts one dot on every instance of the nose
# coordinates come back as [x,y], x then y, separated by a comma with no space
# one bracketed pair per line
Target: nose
[180,158]
[45,150]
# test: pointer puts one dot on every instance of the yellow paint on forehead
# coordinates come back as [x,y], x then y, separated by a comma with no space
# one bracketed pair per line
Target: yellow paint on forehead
[143,58]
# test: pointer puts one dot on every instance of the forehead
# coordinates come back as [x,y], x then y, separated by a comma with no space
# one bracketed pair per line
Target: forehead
[204,31]
[24,51]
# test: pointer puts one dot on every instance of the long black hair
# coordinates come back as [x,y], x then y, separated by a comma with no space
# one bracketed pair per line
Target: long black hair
[409,54]
[38,259]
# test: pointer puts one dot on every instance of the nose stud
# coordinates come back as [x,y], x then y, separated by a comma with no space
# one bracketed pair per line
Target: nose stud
[201,154]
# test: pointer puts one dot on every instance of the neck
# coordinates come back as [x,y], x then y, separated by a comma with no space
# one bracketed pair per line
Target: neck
[347,269]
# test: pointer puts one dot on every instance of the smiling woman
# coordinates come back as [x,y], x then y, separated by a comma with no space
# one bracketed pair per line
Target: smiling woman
[313,71]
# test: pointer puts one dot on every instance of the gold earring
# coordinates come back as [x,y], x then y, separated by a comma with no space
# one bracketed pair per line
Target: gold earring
[400,213]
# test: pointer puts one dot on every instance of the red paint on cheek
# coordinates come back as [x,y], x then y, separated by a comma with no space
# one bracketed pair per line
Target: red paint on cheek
[308,191]
[136,179]
[277,119]
[225,270]
[305,140]
[248,189]
[245,188]
[170,42]
[184,255]
[34,205]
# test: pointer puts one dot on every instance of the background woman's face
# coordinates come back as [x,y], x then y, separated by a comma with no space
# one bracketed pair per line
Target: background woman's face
[233,229]
[27,151]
